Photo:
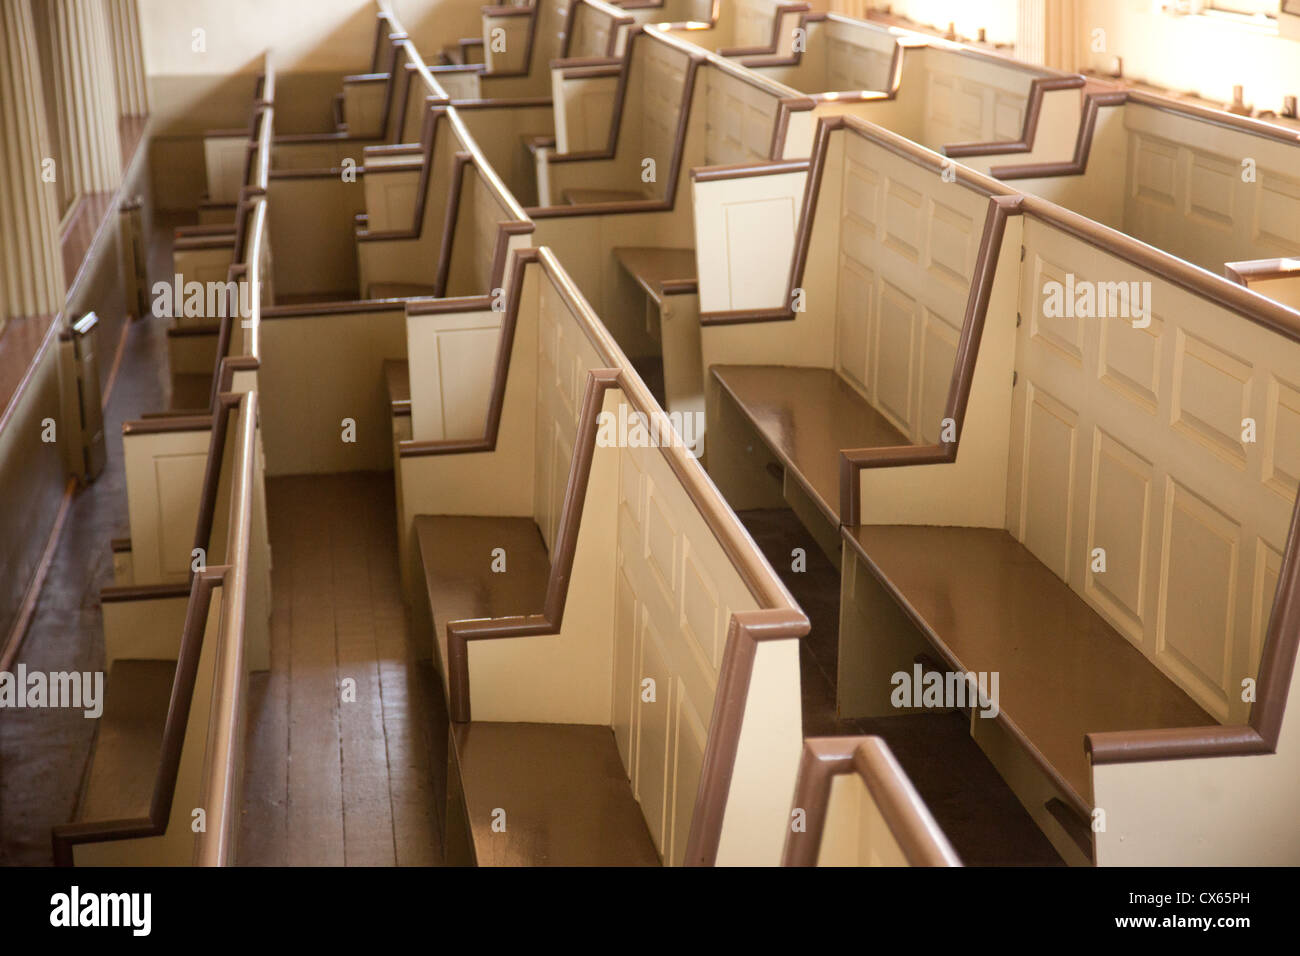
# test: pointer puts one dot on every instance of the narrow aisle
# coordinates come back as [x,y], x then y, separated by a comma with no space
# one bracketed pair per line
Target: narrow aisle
[43,753]
[337,767]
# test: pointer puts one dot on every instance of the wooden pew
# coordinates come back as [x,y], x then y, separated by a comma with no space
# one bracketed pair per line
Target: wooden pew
[621,564]
[857,348]
[859,809]
[512,58]
[196,346]
[1164,579]
[464,223]
[469,227]
[206,253]
[964,101]
[375,110]
[585,80]
[1209,186]
[1278,279]
[229,155]
[143,793]
[632,258]
[743,27]
[164,451]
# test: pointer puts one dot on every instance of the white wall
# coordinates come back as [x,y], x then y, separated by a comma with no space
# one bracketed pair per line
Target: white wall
[1201,54]
[318,35]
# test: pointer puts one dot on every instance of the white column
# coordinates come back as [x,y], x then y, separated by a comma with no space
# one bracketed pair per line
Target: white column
[1031,31]
[87,96]
[128,56]
[31,266]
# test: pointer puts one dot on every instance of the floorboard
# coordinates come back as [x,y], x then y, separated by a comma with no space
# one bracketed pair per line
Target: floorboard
[337,760]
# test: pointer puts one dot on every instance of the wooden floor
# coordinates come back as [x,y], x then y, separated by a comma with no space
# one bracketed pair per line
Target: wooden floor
[336,777]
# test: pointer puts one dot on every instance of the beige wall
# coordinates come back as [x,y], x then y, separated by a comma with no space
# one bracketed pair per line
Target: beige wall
[315,45]
[324,35]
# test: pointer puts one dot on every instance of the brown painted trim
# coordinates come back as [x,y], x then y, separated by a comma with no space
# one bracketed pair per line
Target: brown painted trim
[611,63]
[460,160]
[361,79]
[1273,685]
[222,411]
[590,72]
[758,580]
[1243,124]
[65,836]
[1283,638]
[615,23]
[904,813]
[551,618]
[308,309]
[1038,88]
[780,618]
[744,633]
[1078,164]
[530,11]
[853,461]
[712,174]
[1093,102]
[694,61]
[503,102]
[803,237]
[1252,306]
[441,68]
[325,172]
[225,240]
[171,423]
[435,113]
[774,43]
[382,26]
[200,588]
[501,370]
[142,592]
[1247,271]
[394,149]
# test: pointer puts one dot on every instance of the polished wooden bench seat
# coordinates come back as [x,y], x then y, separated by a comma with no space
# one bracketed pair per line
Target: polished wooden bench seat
[986,603]
[401,290]
[653,267]
[128,745]
[806,416]
[456,552]
[564,792]
[622,563]
[585,197]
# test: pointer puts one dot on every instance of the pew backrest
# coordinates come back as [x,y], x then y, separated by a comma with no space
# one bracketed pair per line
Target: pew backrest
[691,593]
[1203,184]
